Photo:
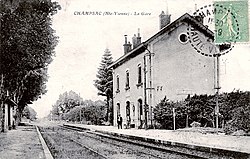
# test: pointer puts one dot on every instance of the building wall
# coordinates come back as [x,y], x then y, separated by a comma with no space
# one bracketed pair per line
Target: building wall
[176,71]
[133,94]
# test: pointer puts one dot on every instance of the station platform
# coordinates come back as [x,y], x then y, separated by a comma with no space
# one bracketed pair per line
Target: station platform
[21,143]
[188,139]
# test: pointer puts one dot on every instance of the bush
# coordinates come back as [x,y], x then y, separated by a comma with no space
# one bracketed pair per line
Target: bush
[158,125]
[234,111]
[230,127]
[163,113]
[240,120]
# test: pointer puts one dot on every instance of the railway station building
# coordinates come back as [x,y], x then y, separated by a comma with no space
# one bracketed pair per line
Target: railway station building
[7,112]
[163,65]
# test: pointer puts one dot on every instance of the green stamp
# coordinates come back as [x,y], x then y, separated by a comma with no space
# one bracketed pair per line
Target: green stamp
[231,23]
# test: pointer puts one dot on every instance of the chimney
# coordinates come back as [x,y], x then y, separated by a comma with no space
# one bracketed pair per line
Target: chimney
[127,45]
[138,38]
[164,19]
[199,18]
[134,41]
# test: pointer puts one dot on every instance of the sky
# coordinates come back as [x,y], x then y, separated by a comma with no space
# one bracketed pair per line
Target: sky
[83,39]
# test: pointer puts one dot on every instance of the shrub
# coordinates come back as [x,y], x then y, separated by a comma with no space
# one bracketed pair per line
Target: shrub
[163,113]
[234,111]
[240,120]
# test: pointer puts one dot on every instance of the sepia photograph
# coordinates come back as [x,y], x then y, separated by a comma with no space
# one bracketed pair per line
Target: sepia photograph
[124,79]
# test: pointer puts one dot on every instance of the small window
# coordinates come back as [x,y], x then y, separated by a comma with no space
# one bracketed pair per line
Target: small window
[133,108]
[183,38]
[117,83]
[127,80]
[139,74]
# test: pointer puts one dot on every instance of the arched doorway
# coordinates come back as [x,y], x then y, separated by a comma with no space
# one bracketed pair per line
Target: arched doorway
[127,108]
[118,108]
[128,118]
[140,112]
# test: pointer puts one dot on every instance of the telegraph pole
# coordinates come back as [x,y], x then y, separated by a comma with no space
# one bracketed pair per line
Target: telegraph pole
[80,115]
[174,117]
[217,87]
[145,93]
[80,109]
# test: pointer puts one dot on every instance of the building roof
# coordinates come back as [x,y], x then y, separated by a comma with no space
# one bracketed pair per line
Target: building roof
[143,46]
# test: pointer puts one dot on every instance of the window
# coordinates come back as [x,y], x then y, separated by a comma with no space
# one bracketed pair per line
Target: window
[133,108]
[139,82]
[139,74]
[127,80]
[117,84]
[183,38]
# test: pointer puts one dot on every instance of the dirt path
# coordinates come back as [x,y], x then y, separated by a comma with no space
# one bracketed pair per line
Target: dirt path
[22,143]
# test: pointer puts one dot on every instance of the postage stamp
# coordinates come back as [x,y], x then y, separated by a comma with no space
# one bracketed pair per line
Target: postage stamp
[232,23]
[227,21]
[207,46]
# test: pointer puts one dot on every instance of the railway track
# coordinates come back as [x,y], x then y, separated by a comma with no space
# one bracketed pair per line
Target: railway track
[93,144]
[90,134]
[161,149]
[62,146]
[87,148]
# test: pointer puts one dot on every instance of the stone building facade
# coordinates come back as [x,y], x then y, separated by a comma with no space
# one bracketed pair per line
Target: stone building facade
[164,65]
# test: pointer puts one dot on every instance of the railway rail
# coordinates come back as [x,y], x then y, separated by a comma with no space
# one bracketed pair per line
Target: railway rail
[87,148]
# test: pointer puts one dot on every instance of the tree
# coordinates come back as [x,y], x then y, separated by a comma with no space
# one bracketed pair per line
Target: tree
[104,81]
[28,41]
[68,100]
[65,103]
[93,112]
[34,86]
[54,113]
[29,113]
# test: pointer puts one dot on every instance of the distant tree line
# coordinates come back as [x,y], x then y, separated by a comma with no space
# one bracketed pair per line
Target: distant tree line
[27,44]
[71,107]
[234,111]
